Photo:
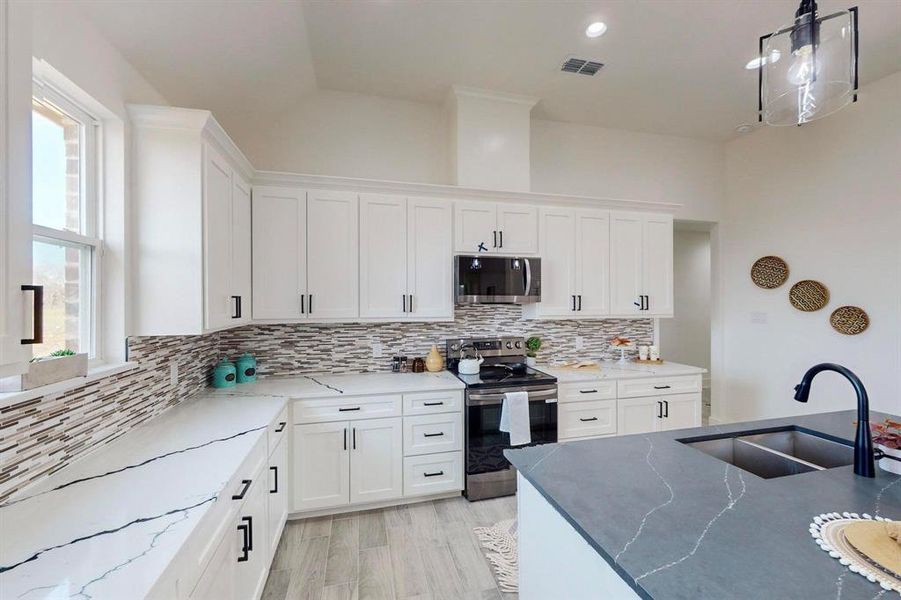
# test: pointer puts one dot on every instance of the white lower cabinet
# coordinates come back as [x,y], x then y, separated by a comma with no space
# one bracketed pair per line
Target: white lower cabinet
[278,493]
[681,411]
[658,413]
[430,434]
[218,580]
[637,415]
[321,472]
[586,419]
[376,463]
[433,474]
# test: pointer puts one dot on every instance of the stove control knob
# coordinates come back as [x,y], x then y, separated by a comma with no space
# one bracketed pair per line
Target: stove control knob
[455,347]
[519,344]
[509,345]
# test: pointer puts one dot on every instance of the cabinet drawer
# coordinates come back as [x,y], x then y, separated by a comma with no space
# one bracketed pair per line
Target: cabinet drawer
[432,402]
[428,434]
[323,410]
[588,390]
[433,474]
[278,429]
[585,419]
[658,386]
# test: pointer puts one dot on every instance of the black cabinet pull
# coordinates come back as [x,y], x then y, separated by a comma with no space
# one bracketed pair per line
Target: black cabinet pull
[495,240]
[586,420]
[310,304]
[37,332]
[345,438]
[349,409]
[302,297]
[274,470]
[281,427]
[574,302]
[237,312]
[354,438]
[646,302]
[245,551]
[659,409]
[588,391]
[502,238]
[403,300]
[640,304]
[411,302]
[433,474]
[249,521]
[580,302]
[240,495]
[666,408]
[661,387]
[432,434]
[433,403]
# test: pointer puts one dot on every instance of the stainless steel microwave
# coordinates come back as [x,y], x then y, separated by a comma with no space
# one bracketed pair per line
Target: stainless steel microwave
[481,279]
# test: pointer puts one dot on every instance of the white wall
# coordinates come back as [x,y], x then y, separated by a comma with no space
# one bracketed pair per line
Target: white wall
[578,159]
[827,198]
[686,337]
[354,135]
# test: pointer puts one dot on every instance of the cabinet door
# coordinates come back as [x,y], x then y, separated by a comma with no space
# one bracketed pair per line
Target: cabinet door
[277,493]
[593,262]
[475,227]
[658,265]
[15,184]
[332,255]
[681,411]
[279,253]
[558,262]
[430,276]
[383,256]
[321,473]
[250,574]
[626,263]
[517,229]
[637,415]
[218,579]
[241,250]
[376,464]
[217,232]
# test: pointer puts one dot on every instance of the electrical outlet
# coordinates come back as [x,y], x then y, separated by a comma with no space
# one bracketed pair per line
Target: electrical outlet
[759,318]
[173,374]
[376,349]
[580,343]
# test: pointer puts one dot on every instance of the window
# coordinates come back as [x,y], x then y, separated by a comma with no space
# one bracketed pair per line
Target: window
[66,243]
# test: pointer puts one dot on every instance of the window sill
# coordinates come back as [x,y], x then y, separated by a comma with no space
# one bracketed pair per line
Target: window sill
[94,373]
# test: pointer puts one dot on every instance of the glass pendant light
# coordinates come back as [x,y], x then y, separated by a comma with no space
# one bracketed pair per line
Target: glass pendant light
[817,73]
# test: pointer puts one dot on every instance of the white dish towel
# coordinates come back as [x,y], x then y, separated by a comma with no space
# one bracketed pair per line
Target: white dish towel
[515,418]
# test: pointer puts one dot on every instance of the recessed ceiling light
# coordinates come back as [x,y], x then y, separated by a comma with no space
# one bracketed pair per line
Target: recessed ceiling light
[762,60]
[596,29]
[745,128]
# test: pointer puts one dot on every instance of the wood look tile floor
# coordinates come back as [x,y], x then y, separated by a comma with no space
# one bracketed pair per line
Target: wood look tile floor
[426,551]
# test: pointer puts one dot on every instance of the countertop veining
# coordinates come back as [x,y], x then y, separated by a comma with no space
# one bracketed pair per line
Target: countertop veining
[611,369]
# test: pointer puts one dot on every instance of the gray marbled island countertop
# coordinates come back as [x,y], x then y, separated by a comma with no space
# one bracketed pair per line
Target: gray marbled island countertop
[677,523]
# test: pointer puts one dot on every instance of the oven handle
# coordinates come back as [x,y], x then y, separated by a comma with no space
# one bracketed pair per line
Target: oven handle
[477,399]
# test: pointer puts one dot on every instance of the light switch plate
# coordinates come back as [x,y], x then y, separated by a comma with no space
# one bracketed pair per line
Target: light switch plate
[173,373]
[376,349]
[580,343]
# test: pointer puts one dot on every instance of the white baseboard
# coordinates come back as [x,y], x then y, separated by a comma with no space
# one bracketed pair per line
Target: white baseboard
[322,512]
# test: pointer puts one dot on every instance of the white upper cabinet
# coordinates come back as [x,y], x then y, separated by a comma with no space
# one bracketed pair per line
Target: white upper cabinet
[574,245]
[190,223]
[495,227]
[405,258]
[15,186]
[332,255]
[641,266]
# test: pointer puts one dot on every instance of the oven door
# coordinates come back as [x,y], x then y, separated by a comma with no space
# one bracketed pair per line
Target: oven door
[488,473]
[497,280]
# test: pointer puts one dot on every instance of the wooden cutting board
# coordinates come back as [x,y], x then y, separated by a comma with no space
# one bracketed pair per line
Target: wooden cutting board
[872,539]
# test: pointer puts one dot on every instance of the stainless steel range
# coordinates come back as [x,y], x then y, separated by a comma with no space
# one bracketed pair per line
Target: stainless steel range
[488,473]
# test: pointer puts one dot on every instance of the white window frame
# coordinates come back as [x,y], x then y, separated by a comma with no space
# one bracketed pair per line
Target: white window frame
[89,211]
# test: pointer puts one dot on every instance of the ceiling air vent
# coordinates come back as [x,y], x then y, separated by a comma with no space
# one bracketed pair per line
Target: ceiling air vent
[581,66]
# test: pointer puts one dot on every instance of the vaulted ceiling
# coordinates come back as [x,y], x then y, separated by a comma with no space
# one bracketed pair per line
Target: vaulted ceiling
[672,66]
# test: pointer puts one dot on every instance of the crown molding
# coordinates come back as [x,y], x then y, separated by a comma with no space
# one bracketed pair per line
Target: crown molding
[460,90]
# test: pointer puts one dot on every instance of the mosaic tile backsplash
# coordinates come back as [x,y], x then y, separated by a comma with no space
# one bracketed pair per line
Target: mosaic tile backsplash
[348,348]
[44,434]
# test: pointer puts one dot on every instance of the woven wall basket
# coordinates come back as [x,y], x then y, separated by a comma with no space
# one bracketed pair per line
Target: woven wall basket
[849,320]
[808,295]
[769,272]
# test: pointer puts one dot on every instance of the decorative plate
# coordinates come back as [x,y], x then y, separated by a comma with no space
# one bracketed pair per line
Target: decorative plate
[808,295]
[849,320]
[769,272]
[828,531]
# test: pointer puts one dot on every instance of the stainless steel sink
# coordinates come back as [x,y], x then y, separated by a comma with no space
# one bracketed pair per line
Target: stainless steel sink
[775,452]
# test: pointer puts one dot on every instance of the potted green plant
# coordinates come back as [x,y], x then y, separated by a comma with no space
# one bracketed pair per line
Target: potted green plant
[533,345]
[59,365]
[887,437]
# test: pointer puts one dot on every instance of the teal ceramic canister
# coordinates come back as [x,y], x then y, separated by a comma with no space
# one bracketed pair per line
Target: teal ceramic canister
[224,374]
[247,368]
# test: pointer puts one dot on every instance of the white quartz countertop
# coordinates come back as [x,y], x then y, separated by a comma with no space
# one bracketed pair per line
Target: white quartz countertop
[618,370]
[350,384]
[110,524]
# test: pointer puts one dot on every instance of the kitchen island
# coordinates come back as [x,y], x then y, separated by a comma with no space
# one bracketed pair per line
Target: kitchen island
[648,516]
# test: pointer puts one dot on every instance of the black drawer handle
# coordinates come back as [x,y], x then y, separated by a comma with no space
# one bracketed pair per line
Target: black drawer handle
[245,550]
[433,474]
[588,391]
[586,420]
[281,427]
[432,434]
[348,409]
[249,521]
[237,313]
[433,403]
[37,333]
[661,387]
[240,495]
[274,470]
